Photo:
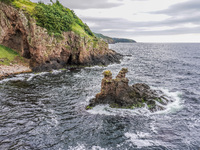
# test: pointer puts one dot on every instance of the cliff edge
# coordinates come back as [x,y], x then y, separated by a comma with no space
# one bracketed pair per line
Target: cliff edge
[20,31]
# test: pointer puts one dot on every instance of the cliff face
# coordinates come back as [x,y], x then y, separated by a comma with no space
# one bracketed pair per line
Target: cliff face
[20,32]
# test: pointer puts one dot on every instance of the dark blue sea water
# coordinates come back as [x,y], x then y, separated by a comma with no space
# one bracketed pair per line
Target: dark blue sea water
[45,111]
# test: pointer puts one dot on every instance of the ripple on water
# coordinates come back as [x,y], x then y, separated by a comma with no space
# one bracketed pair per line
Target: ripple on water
[47,110]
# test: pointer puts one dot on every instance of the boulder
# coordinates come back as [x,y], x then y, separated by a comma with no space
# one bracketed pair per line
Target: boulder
[118,94]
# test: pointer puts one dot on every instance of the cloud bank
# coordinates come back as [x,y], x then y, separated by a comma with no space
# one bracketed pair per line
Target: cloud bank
[181,18]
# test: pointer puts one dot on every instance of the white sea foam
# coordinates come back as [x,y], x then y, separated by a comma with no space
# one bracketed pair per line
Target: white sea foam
[106,110]
[173,106]
[83,147]
[17,78]
[89,98]
[170,108]
[95,67]
[78,147]
[56,71]
[141,139]
[33,75]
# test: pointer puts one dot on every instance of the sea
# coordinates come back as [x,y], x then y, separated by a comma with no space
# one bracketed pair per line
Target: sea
[46,110]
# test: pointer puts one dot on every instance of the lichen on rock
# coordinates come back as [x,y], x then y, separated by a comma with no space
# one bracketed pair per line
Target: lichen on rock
[118,94]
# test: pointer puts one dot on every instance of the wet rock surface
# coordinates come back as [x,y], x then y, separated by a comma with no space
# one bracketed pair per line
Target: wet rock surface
[118,94]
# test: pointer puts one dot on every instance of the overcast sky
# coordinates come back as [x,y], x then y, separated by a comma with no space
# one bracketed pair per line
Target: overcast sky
[141,20]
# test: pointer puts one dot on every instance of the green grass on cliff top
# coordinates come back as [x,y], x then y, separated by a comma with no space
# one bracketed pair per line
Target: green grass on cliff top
[7,55]
[25,4]
[54,17]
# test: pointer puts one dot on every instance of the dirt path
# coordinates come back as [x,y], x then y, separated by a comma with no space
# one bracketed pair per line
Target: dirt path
[13,69]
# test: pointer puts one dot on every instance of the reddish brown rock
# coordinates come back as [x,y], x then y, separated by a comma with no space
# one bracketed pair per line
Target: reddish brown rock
[117,93]
[20,32]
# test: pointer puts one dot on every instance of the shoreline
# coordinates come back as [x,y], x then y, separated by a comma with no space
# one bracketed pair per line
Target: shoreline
[6,71]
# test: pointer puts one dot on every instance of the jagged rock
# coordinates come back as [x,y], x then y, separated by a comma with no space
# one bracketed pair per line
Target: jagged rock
[117,93]
[18,31]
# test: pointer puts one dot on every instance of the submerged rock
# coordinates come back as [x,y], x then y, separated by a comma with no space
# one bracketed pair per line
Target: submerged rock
[118,94]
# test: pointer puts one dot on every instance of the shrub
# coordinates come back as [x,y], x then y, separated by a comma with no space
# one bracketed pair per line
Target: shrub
[54,17]
[7,1]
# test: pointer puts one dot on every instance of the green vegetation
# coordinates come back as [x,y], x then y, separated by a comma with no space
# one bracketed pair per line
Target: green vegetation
[88,107]
[159,100]
[138,105]
[54,17]
[81,24]
[151,106]
[7,1]
[26,5]
[143,100]
[7,55]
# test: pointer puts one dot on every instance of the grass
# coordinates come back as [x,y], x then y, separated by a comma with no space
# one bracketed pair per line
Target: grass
[80,31]
[26,5]
[77,26]
[9,56]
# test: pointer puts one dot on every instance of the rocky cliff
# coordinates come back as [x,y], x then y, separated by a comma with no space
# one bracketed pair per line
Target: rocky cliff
[19,31]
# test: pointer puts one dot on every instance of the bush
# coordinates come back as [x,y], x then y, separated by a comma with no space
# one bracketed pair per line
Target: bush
[54,17]
[7,1]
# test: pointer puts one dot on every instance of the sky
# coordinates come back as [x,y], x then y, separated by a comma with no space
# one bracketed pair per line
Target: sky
[141,20]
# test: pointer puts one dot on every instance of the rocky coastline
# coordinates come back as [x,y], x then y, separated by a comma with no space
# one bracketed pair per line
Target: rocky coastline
[20,32]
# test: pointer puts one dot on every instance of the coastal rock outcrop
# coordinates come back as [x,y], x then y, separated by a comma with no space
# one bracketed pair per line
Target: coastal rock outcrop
[118,94]
[19,31]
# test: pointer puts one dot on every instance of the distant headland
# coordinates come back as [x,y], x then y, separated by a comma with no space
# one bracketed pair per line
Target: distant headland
[111,40]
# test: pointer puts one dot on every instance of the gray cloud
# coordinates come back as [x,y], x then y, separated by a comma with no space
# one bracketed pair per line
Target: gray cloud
[120,23]
[178,31]
[185,8]
[86,4]
[180,14]
[118,26]
[89,4]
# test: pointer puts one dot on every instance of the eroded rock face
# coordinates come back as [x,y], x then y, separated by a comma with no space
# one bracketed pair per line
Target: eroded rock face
[117,93]
[20,32]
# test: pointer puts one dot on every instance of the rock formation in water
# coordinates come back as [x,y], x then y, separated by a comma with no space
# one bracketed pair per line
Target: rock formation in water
[118,94]
[18,31]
